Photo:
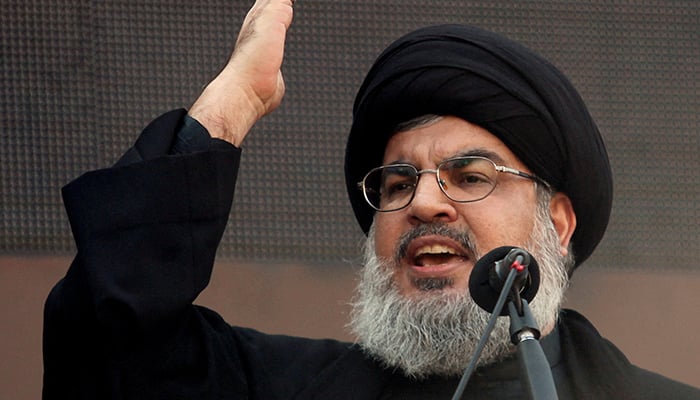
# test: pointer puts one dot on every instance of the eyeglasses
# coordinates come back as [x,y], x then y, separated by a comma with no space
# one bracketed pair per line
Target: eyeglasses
[461,179]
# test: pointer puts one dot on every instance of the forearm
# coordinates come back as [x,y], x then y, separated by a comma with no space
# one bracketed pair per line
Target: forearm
[146,232]
[137,228]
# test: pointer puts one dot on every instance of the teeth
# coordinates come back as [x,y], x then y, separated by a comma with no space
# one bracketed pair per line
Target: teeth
[435,249]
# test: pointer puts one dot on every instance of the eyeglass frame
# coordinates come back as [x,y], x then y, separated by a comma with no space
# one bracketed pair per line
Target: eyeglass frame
[499,168]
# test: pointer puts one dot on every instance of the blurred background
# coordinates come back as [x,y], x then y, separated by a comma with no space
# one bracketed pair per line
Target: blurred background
[80,79]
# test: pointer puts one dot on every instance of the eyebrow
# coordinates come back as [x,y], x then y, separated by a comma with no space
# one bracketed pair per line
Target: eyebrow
[480,152]
[476,152]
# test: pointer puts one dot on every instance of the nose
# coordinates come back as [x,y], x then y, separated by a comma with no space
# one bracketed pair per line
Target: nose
[429,203]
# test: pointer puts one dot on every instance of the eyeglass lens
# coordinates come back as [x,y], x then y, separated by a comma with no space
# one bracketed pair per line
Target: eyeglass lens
[463,179]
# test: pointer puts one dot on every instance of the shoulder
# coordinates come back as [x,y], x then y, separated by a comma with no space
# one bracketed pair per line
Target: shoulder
[655,386]
[595,362]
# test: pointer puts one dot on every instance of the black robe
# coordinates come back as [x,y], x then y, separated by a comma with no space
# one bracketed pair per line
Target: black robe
[121,324]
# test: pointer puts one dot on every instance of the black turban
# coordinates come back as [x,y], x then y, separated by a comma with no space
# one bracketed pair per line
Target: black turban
[495,83]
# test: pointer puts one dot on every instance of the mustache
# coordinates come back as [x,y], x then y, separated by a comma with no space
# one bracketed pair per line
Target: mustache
[463,237]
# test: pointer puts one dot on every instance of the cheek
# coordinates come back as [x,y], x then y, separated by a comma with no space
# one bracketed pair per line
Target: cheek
[386,234]
[494,223]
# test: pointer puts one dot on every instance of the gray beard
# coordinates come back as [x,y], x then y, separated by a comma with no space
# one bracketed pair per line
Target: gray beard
[436,332]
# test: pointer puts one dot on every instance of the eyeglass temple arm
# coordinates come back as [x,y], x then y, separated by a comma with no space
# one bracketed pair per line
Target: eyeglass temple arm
[513,171]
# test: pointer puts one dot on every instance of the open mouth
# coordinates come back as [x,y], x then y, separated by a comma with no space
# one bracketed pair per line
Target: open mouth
[436,254]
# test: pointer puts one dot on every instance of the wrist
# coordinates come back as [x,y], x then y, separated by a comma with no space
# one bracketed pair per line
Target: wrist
[227,111]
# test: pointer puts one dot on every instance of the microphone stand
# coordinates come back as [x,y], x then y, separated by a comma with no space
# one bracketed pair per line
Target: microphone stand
[537,375]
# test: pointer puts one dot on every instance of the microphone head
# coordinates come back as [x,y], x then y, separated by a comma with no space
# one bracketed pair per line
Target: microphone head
[481,286]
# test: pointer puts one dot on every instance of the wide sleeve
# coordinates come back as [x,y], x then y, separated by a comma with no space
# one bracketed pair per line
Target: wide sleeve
[146,233]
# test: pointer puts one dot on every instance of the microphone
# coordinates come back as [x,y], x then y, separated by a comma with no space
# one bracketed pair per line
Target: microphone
[488,278]
[490,273]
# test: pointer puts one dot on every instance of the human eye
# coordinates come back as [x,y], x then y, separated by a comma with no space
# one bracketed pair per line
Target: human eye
[398,181]
[469,174]
[470,178]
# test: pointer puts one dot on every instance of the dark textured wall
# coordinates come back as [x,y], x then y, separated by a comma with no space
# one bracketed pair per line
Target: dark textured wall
[80,79]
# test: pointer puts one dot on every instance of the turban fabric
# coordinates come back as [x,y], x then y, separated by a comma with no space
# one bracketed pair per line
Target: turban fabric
[503,87]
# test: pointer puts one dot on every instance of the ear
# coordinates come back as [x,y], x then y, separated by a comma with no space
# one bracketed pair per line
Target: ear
[563,218]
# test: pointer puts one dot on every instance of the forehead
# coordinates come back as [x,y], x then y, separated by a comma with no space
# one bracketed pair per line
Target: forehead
[448,137]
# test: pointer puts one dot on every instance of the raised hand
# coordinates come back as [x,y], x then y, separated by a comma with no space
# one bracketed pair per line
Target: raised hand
[251,84]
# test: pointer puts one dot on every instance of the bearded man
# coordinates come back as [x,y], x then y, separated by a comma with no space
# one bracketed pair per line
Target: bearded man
[462,142]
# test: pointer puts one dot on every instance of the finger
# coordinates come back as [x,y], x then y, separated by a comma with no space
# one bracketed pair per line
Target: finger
[266,17]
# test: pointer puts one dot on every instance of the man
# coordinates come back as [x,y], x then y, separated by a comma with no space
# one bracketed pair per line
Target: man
[517,161]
